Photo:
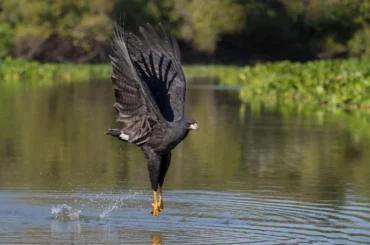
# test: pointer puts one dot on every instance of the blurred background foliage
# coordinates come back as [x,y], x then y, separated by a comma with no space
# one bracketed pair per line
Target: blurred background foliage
[218,31]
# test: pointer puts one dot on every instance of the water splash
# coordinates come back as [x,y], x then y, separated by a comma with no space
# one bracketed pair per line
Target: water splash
[63,212]
[110,203]
[118,203]
[95,206]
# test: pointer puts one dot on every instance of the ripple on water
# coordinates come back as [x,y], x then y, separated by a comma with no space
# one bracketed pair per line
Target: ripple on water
[193,217]
[269,218]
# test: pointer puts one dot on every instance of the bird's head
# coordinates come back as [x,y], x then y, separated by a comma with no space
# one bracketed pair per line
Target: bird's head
[191,124]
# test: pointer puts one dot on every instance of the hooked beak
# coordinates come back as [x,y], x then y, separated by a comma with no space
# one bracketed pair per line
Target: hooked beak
[194,126]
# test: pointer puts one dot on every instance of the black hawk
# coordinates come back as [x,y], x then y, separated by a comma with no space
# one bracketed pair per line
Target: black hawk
[149,87]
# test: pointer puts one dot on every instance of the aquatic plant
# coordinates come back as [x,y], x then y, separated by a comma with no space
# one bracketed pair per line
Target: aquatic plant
[336,83]
[343,83]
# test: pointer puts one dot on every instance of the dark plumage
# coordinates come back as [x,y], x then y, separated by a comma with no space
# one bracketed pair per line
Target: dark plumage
[149,86]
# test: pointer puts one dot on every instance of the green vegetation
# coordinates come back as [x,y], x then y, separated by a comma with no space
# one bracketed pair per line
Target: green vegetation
[336,83]
[230,30]
[12,70]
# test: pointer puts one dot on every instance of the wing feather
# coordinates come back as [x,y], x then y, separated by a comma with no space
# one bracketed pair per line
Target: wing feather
[135,106]
[156,57]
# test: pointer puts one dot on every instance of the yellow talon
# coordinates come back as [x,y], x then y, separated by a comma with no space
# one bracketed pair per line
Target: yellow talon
[157,204]
[155,211]
[160,199]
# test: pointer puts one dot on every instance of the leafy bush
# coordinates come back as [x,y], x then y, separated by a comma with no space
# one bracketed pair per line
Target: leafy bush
[359,45]
[80,31]
[6,36]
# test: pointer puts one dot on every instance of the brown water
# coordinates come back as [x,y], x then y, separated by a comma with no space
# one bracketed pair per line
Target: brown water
[252,174]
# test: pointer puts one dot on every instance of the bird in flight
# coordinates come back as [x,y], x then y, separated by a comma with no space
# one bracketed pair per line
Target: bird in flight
[149,87]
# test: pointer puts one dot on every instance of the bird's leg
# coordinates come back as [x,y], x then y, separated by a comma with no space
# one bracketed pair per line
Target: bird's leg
[160,199]
[155,211]
[165,164]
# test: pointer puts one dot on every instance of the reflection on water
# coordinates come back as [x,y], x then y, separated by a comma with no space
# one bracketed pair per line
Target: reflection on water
[156,240]
[254,174]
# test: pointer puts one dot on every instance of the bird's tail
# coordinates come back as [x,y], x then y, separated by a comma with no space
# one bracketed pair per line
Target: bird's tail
[114,132]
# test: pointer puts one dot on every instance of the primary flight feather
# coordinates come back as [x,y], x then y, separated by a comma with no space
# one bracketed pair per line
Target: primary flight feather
[149,87]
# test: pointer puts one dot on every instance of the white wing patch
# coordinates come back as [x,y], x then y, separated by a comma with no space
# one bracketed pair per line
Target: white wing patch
[123,136]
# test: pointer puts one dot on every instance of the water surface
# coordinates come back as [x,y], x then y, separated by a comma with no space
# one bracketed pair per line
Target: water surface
[252,174]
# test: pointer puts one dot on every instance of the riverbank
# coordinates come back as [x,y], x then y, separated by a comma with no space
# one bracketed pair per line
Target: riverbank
[334,83]
[33,71]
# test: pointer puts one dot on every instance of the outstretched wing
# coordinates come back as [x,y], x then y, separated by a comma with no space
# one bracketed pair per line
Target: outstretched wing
[156,57]
[136,108]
